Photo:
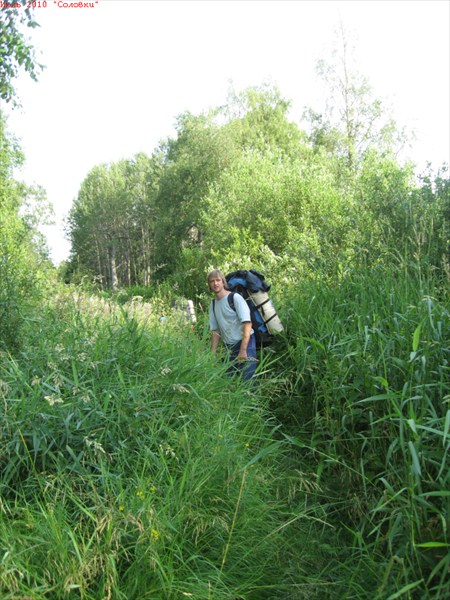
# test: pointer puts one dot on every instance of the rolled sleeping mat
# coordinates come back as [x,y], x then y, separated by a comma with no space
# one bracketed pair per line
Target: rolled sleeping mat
[267,310]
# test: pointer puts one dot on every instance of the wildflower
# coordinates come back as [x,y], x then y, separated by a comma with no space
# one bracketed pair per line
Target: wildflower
[121,507]
[36,380]
[166,370]
[52,400]
[57,379]
[154,534]
[140,494]
[94,444]
[168,451]
[180,388]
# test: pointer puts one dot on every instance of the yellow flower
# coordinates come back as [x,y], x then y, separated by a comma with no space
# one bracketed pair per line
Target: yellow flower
[121,507]
[140,494]
[154,534]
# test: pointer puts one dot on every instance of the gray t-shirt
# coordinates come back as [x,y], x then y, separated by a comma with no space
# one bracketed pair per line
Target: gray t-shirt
[227,321]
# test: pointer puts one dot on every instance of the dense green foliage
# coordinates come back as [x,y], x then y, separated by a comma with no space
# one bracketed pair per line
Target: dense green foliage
[164,218]
[243,186]
[22,250]
[16,52]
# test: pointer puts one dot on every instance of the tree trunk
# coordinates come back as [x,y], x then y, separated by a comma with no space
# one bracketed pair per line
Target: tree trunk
[112,258]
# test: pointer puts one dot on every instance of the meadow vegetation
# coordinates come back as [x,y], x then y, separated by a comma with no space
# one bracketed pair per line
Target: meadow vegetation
[132,467]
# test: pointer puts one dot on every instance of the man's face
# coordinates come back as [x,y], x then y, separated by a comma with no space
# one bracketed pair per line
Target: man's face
[215,284]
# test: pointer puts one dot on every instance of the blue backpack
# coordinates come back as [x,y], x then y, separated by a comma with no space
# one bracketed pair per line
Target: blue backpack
[251,285]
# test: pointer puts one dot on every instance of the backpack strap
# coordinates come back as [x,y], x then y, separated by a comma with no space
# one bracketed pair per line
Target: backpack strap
[231,301]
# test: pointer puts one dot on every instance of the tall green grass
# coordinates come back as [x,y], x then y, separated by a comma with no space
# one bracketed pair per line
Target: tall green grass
[131,467]
[368,370]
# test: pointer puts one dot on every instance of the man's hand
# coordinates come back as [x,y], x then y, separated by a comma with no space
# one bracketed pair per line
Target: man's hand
[242,356]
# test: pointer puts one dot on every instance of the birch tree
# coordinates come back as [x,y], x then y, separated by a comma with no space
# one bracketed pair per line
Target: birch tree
[354,120]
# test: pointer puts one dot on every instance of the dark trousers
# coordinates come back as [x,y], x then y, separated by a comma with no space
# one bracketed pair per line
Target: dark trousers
[248,367]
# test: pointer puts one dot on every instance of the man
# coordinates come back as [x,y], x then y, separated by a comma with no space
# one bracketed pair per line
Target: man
[232,323]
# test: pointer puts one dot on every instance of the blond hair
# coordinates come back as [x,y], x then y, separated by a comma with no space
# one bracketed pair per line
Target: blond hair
[217,273]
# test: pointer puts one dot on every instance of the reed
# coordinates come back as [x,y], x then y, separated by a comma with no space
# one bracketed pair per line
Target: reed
[370,357]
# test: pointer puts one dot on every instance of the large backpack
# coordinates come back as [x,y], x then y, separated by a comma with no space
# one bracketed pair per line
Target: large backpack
[252,286]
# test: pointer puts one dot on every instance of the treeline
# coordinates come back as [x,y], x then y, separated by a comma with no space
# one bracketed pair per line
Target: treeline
[24,264]
[245,186]
[24,260]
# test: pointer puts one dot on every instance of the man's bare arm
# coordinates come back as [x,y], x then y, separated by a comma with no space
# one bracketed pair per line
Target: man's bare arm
[215,339]
[245,339]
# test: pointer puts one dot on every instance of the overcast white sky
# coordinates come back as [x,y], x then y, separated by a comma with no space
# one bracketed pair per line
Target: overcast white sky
[118,74]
